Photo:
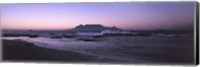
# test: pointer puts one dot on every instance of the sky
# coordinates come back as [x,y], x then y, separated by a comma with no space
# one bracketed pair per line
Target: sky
[127,15]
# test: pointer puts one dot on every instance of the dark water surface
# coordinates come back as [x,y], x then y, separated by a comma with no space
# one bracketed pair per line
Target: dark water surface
[150,49]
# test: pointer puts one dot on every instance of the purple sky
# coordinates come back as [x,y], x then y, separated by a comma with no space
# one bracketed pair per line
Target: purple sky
[135,16]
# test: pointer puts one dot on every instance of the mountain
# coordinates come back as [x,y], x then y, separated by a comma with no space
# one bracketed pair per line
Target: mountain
[93,28]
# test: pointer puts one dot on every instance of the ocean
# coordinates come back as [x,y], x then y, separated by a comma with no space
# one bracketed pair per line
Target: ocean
[157,48]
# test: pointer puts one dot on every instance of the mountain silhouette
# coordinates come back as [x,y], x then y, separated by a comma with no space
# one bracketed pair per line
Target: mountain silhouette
[93,28]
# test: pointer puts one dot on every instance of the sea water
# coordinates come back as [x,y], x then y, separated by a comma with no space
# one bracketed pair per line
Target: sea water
[118,48]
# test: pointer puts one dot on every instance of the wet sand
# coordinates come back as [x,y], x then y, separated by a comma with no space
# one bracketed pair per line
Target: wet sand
[16,50]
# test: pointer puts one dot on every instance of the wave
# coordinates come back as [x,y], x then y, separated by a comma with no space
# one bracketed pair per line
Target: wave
[130,49]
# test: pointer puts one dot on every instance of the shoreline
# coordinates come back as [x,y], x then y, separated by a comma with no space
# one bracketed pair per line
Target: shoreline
[17,50]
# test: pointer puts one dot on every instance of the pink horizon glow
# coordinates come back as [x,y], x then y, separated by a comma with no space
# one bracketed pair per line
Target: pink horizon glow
[134,16]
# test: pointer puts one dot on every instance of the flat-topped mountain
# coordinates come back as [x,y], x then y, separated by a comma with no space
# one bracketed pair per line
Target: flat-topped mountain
[93,28]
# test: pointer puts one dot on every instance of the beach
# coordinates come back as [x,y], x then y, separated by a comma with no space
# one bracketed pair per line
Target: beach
[111,33]
[16,50]
[146,50]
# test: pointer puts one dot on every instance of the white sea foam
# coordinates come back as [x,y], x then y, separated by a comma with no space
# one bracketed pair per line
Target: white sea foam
[115,48]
